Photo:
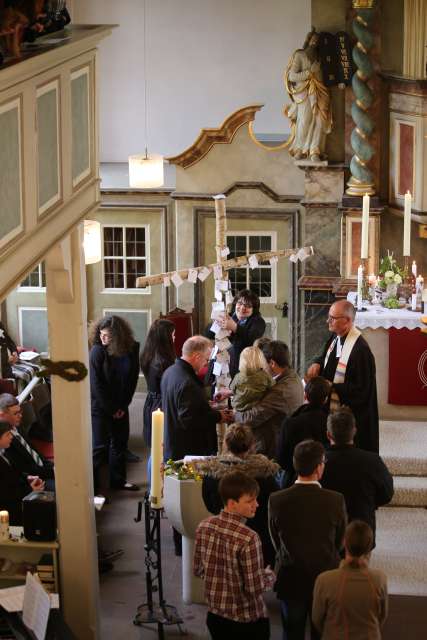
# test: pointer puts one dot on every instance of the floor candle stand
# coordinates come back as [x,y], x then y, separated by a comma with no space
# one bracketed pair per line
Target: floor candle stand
[150,612]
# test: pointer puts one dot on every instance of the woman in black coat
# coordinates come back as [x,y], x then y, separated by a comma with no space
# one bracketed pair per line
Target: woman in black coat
[157,355]
[114,370]
[245,323]
[240,442]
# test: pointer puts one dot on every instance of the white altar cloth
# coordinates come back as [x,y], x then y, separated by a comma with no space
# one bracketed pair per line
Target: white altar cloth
[378,317]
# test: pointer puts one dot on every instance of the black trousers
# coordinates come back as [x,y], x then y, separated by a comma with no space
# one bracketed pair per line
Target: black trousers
[110,440]
[221,628]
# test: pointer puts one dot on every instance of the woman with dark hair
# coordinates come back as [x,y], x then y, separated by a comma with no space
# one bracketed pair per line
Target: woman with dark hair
[245,323]
[114,370]
[157,355]
[240,455]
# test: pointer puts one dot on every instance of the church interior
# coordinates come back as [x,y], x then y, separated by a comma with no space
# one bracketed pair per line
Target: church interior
[209,86]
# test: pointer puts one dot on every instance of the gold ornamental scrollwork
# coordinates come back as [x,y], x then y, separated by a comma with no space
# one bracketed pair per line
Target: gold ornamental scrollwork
[363,4]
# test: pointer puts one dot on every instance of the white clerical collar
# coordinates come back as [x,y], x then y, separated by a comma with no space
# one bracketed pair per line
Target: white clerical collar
[308,482]
[14,430]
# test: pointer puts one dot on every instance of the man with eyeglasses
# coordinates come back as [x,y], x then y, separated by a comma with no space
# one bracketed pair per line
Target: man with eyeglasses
[348,363]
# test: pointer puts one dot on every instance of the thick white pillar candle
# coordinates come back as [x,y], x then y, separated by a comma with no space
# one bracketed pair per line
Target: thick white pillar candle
[407,225]
[359,287]
[4,525]
[414,268]
[364,248]
[157,428]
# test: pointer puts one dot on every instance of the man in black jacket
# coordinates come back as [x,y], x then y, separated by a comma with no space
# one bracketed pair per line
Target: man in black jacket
[14,485]
[20,453]
[190,421]
[361,476]
[308,422]
[307,525]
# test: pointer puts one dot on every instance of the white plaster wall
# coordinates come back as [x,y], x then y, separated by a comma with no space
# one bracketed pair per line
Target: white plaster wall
[206,58]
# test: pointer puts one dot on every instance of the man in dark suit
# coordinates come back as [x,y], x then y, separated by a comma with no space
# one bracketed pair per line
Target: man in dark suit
[14,485]
[307,525]
[190,421]
[20,453]
[308,422]
[361,476]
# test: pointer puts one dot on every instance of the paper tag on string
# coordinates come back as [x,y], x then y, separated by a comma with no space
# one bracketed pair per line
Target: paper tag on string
[225,252]
[218,306]
[223,344]
[253,262]
[218,295]
[222,285]
[222,333]
[167,281]
[192,276]
[229,297]
[203,273]
[217,272]
[213,352]
[293,257]
[217,369]
[177,280]
[225,368]
[303,255]
[273,260]
[215,327]
[222,356]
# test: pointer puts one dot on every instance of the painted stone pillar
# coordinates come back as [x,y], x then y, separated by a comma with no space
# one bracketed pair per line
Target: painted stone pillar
[67,320]
[362,178]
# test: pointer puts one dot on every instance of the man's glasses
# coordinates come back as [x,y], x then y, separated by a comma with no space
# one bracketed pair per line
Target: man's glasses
[244,304]
[333,318]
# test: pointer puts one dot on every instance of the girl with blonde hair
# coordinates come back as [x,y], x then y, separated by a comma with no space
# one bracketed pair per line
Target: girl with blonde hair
[252,381]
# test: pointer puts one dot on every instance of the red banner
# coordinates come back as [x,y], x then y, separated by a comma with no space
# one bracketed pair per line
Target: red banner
[407,374]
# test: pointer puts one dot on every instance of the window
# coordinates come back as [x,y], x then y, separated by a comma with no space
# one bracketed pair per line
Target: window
[260,280]
[36,279]
[33,328]
[125,256]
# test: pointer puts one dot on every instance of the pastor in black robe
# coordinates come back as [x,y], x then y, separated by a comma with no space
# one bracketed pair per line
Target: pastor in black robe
[358,391]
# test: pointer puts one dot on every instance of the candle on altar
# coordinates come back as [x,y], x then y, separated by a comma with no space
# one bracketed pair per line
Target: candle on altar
[419,283]
[364,247]
[157,428]
[414,268]
[359,287]
[407,225]
[4,525]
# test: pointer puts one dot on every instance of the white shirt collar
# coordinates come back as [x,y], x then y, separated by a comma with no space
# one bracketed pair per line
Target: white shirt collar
[308,482]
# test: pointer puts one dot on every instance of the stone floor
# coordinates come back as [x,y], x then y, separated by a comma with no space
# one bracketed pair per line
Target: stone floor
[123,589]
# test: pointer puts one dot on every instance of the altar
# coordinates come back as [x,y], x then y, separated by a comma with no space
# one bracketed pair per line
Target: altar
[400,350]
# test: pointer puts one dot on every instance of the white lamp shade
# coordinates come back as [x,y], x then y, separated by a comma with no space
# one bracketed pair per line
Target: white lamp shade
[92,241]
[146,172]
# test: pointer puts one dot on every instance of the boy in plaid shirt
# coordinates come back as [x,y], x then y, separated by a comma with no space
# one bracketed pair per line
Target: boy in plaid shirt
[228,555]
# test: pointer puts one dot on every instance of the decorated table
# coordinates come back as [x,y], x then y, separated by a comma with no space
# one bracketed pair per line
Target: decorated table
[400,351]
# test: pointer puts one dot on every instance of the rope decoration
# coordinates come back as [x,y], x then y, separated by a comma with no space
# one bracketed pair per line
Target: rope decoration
[70,370]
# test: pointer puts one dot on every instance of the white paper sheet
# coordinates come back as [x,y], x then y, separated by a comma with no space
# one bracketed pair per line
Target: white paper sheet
[217,369]
[36,607]
[217,272]
[274,260]
[192,276]
[177,280]
[203,274]
[218,294]
[213,352]
[222,285]
[225,368]
[253,262]
[167,281]
[228,297]
[225,252]
[293,257]
[215,328]
[223,344]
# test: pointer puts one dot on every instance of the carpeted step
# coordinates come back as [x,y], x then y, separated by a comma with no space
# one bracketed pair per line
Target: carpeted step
[409,492]
[403,447]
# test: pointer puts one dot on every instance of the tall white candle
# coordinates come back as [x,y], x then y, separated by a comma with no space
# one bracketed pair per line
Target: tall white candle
[359,287]
[414,268]
[4,525]
[407,225]
[364,248]
[157,428]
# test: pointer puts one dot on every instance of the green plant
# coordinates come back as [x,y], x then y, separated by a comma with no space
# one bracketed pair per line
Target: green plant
[390,272]
[183,471]
[391,303]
